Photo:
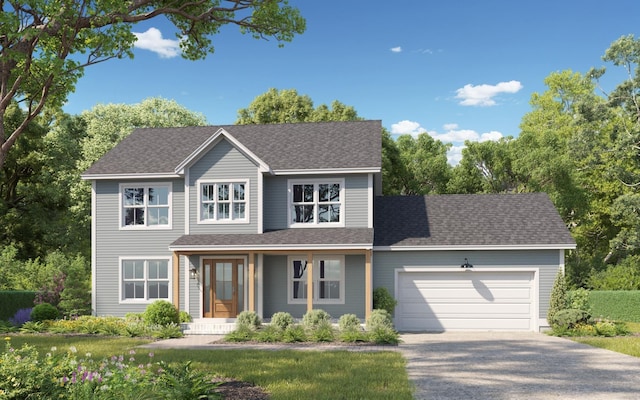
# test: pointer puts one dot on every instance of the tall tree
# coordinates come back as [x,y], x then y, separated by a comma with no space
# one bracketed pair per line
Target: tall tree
[287,106]
[425,169]
[46,44]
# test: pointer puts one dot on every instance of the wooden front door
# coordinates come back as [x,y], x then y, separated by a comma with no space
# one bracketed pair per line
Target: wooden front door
[221,289]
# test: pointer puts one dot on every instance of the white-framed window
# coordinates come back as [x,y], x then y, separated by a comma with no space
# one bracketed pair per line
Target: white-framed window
[316,203]
[145,206]
[223,202]
[145,279]
[328,279]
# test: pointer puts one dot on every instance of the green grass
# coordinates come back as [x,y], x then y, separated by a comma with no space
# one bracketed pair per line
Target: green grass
[285,374]
[622,344]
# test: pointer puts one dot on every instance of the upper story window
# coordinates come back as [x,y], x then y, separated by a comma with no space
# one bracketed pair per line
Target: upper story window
[316,202]
[223,202]
[146,205]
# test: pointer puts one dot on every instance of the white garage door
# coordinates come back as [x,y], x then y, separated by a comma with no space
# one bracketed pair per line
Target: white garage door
[465,300]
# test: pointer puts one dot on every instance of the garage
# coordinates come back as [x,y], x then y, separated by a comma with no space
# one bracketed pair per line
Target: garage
[441,300]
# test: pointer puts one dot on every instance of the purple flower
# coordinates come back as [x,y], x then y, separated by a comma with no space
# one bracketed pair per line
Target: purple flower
[21,316]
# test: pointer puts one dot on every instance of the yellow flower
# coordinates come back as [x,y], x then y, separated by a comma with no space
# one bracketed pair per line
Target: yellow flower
[7,338]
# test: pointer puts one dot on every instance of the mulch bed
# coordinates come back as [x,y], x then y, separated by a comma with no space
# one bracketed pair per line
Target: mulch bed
[237,390]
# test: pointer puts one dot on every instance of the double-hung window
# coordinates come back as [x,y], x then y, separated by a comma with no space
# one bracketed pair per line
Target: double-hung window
[144,279]
[316,203]
[223,202]
[328,280]
[146,206]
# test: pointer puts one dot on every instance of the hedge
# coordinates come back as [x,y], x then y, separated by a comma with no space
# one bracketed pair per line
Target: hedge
[13,300]
[618,305]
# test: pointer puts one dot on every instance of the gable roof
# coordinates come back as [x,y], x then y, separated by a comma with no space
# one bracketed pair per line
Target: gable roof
[348,145]
[501,221]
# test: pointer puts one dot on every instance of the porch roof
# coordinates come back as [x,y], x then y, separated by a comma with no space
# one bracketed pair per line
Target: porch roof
[284,239]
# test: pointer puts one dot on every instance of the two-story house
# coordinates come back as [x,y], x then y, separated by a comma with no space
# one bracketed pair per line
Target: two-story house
[290,217]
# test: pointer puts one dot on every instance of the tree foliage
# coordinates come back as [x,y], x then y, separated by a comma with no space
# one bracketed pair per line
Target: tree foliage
[287,106]
[46,44]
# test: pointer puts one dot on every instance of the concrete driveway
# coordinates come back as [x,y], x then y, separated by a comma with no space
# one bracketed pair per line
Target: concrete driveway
[496,365]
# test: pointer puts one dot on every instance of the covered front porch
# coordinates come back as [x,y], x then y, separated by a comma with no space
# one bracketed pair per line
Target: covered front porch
[215,277]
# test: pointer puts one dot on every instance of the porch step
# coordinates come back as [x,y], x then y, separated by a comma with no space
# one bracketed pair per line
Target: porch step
[214,326]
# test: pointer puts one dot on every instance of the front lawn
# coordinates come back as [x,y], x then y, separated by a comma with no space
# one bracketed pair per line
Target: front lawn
[285,374]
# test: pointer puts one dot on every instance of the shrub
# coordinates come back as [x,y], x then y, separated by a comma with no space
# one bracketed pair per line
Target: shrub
[322,332]
[34,327]
[168,331]
[6,327]
[606,328]
[161,312]
[384,335]
[282,320]
[134,317]
[242,333]
[44,312]
[269,334]
[383,300]
[579,299]
[349,322]
[353,335]
[249,319]
[21,316]
[558,300]
[569,318]
[313,318]
[379,319]
[294,334]
[185,317]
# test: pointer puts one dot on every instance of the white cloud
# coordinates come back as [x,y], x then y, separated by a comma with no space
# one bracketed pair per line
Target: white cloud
[454,155]
[396,49]
[492,136]
[407,127]
[152,40]
[452,134]
[482,95]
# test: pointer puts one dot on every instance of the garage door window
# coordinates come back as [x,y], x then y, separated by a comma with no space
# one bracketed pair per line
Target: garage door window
[328,280]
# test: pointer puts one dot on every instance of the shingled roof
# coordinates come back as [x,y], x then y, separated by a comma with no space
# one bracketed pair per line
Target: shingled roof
[484,220]
[300,146]
[282,239]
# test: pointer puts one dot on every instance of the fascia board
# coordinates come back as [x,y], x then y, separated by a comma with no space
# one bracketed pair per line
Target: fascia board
[477,247]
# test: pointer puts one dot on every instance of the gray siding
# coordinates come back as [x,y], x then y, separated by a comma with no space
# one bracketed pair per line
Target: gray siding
[223,163]
[276,200]
[275,289]
[112,243]
[547,261]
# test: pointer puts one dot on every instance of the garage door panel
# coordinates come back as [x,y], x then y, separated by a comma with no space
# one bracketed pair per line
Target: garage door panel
[498,294]
[437,325]
[462,300]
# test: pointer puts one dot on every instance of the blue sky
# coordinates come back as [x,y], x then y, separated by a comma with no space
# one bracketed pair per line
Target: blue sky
[456,69]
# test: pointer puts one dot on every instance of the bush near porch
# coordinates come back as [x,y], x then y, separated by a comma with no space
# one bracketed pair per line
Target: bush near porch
[316,327]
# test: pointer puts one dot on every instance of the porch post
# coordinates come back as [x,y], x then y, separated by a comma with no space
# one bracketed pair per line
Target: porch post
[252,283]
[368,292]
[176,280]
[309,282]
